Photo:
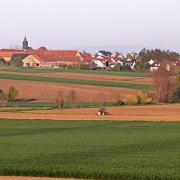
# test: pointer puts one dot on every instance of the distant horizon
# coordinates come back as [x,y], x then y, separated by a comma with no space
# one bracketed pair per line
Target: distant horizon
[94,49]
[123,25]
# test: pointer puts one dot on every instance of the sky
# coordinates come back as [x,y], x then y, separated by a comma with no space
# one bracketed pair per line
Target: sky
[91,24]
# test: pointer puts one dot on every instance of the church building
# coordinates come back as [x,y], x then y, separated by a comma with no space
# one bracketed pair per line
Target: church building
[25,44]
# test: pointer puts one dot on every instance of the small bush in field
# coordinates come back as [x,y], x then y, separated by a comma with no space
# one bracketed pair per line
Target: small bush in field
[144,97]
[132,99]
[2,96]
[12,94]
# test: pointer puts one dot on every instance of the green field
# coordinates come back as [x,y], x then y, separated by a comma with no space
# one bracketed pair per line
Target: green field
[113,73]
[97,150]
[76,81]
[29,106]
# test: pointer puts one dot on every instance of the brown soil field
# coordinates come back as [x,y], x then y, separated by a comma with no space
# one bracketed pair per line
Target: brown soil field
[143,80]
[126,113]
[29,178]
[99,77]
[47,91]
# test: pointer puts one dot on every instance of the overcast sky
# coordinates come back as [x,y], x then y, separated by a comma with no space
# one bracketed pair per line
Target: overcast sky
[64,24]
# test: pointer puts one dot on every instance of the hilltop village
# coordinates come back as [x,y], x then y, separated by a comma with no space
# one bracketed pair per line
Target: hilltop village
[68,59]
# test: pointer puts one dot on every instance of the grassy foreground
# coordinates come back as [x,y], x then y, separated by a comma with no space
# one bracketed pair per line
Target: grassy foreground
[98,150]
[100,72]
[76,81]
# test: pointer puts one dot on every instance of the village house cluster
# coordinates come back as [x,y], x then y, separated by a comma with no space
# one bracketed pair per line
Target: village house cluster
[45,58]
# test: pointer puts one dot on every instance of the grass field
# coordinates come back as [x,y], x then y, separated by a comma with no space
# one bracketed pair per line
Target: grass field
[76,81]
[113,73]
[29,106]
[97,150]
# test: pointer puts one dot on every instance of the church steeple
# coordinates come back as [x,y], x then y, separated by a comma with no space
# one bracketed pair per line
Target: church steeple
[25,44]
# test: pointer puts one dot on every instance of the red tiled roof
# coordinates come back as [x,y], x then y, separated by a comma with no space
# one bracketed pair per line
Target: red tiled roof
[86,56]
[9,53]
[46,55]
[42,49]
[56,55]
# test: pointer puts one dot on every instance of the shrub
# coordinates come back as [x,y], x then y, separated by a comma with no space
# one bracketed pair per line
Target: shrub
[119,100]
[2,62]
[120,103]
[118,67]
[132,99]
[144,97]
[2,96]
[12,94]
[17,62]
[176,93]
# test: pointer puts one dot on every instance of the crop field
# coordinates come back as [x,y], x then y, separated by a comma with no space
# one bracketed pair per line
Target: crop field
[75,81]
[100,72]
[90,86]
[48,91]
[96,150]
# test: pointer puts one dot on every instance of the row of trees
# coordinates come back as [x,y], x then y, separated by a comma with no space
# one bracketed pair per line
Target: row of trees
[157,54]
[16,62]
[62,97]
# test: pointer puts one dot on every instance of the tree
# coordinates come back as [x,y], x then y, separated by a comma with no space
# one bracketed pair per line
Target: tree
[101,97]
[17,62]
[72,96]
[156,54]
[2,62]
[12,94]
[118,99]
[60,99]
[2,96]
[163,82]
[176,93]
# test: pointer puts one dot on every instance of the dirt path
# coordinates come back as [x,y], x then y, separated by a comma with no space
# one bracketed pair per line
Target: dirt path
[126,113]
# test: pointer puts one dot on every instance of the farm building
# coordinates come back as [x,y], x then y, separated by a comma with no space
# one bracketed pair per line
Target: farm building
[53,58]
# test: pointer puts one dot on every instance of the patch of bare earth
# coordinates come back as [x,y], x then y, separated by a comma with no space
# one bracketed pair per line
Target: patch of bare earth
[47,91]
[100,77]
[126,113]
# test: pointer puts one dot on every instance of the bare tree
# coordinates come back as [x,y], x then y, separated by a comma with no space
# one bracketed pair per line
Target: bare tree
[12,94]
[163,82]
[2,96]
[118,99]
[102,99]
[72,96]
[60,99]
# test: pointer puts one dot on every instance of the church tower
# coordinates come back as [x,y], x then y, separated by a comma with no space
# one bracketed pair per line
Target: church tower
[25,44]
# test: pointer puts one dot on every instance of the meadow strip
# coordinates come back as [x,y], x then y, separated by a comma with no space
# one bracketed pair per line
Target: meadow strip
[100,72]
